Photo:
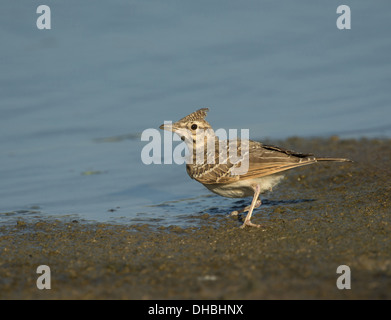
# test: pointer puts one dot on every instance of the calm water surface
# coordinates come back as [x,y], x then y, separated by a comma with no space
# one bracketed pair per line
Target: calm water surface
[74,99]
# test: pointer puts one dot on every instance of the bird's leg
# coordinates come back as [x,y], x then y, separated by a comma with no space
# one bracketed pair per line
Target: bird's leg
[245,209]
[247,222]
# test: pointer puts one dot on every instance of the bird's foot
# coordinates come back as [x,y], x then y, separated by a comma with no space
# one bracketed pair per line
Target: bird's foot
[237,212]
[250,224]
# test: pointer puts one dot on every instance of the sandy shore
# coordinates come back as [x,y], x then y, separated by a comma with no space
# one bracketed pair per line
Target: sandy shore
[321,216]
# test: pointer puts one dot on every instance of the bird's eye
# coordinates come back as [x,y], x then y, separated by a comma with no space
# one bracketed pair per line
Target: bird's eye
[193,127]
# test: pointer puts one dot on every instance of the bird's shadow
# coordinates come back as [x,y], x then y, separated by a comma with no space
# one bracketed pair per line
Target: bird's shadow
[271,203]
[240,204]
[267,202]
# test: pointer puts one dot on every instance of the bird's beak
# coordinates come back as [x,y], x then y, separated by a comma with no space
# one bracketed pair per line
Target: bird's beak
[168,127]
[176,128]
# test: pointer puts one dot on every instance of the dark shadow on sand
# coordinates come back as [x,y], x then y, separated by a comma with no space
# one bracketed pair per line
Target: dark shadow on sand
[266,202]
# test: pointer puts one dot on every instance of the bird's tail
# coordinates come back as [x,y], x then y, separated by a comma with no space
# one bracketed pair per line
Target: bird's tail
[334,159]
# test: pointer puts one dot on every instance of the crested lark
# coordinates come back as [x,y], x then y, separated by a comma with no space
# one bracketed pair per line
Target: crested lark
[212,162]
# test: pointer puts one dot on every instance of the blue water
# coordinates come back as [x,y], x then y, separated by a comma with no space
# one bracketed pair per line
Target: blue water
[74,99]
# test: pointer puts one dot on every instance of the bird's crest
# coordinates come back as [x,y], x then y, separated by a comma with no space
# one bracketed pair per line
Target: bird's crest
[196,115]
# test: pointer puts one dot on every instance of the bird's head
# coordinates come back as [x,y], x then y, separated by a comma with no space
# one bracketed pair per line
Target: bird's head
[192,127]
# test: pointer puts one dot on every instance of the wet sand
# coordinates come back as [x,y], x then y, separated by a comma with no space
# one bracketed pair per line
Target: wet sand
[318,218]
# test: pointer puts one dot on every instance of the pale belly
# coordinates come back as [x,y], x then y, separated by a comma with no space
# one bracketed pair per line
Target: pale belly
[243,188]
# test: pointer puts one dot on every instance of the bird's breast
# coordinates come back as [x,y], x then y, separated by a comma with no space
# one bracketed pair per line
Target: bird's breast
[244,188]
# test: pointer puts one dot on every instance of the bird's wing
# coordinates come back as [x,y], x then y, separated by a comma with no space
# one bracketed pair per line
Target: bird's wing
[255,161]
[264,160]
[217,169]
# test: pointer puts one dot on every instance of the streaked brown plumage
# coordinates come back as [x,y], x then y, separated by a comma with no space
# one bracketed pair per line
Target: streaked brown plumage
[218,171]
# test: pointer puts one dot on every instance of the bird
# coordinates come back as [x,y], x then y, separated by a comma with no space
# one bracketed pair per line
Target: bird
[263,165]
